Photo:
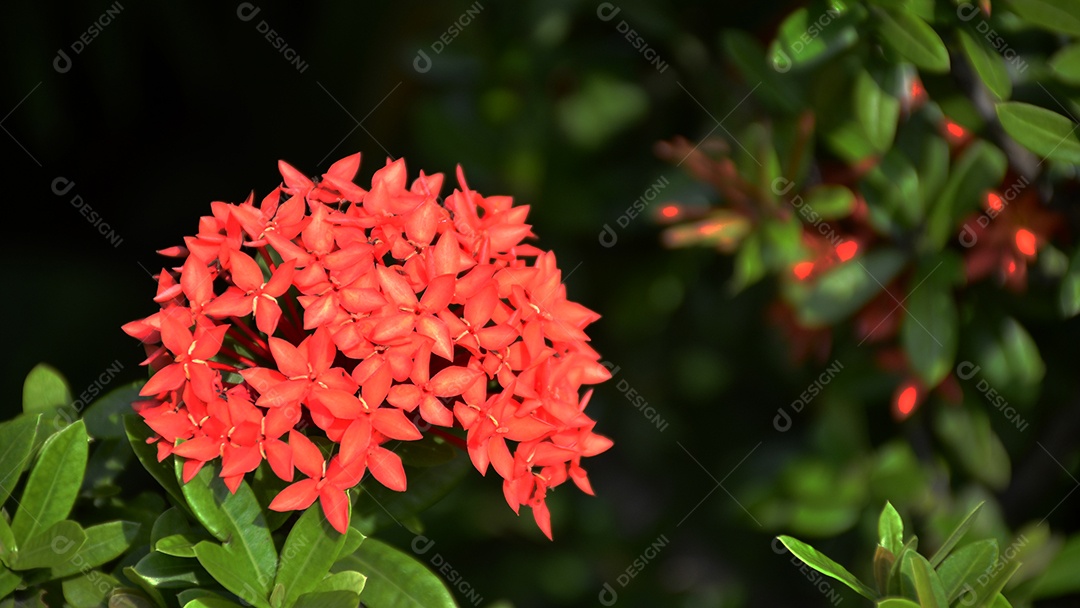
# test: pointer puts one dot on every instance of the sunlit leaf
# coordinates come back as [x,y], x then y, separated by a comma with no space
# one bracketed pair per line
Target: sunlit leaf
[818,561]
[53,484]
[395,578]
[1043,131]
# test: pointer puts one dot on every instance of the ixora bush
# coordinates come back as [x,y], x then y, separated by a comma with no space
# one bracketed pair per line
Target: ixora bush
[903,186]
[301,343]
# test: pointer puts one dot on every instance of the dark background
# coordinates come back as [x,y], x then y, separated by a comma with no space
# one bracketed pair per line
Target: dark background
[174,105]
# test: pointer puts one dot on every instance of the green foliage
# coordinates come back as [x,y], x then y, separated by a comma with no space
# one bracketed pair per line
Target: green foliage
[969,576]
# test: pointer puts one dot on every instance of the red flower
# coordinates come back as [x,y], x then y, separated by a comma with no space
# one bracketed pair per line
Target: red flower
[356,313]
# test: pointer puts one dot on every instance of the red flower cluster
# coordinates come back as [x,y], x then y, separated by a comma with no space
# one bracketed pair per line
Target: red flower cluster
[361,313]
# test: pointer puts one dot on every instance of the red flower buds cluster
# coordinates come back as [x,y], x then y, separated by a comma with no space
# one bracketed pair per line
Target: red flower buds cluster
[355,315]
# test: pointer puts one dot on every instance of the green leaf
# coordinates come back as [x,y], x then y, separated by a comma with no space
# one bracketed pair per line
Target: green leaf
[844,289]
[9,581]
[988,589]
[913,39]
[234,572]
[44,390]
[395,578]
[105,417]
[125,597]
[927,585]
[775,89]
[804,39]
[877,111]
[352,542]
[310,549]
[1056,15]
[891,529]
[929,330]
[329,599]
[980,168]
[168,572]
[831,201]
[146,586]
[169,523]
[187,595]
[429,451]
[967,432]
[377,506]
[988,64]
[104,543]
[346,580]
[893,194]
[962,568]
[89,590]
[897,602]
[211,602]
[895,582]
[818,561]
[1066,64]
[236,519]
[50,547]
[16,443]
[54,482]
[137,433]
[1060,578]
[957,534]
[1042,131]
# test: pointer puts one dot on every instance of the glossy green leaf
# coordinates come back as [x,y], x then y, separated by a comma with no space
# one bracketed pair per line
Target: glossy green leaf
[45,390]
[144,585]
[168,572]
[104,543]
[212,602]
[913,39]
[137,433]
[54,482]
[893,194]
[877,111]
[105,416]
[1066,64]
[927,585]
[1056,15]
[897,602]
[235,573]
[234,518]
[830,201]
[7,537]
[169,523]
[187,595]
[352,542]
[126,597]
[749,264]
[395,578]
[346,580]
[846,288]
[955,537]
[329,599]
[963,567]
[805,38]
[89,590]
[310,549]
[1043,131]
[50,547]
[891,529]
[16,443]
[818,561]
[929,330]
[988,64]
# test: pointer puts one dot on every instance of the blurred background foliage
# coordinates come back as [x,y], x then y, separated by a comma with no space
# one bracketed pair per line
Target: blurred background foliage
[172,106]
